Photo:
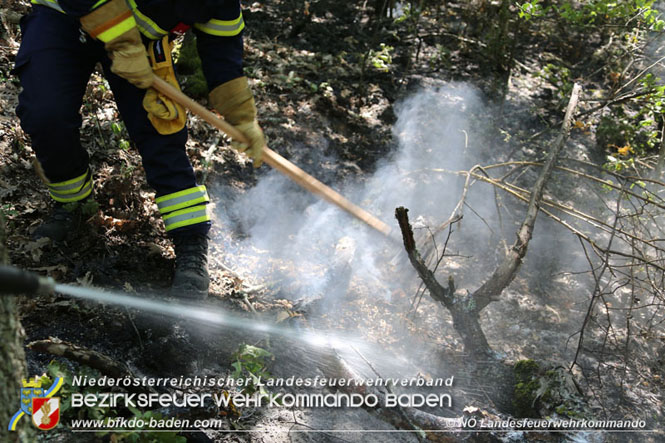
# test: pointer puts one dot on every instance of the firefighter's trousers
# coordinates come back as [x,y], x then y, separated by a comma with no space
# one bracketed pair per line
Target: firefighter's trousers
[54,64]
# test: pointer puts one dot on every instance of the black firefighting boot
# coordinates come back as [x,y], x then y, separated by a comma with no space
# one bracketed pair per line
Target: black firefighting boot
[64,220]
[191,279]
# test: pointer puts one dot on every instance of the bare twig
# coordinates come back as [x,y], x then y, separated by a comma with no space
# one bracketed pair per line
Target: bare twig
[597,291]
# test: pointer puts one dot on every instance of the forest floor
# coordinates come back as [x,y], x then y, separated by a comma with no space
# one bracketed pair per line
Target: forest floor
[335,119]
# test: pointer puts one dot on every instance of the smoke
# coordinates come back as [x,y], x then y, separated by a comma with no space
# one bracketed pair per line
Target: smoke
[311,248]
[309,251]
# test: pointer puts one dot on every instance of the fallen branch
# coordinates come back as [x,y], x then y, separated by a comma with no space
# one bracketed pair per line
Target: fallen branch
[425,426]
[87,357]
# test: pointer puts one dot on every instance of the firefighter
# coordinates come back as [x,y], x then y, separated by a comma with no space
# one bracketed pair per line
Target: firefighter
[62,42]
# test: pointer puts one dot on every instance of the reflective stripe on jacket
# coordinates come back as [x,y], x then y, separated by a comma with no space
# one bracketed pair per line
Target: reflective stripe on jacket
[217,26]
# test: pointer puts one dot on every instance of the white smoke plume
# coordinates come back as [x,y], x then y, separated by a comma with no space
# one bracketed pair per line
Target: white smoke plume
[303,243]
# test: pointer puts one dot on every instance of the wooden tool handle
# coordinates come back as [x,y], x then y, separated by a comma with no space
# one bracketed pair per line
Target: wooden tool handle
[273,159]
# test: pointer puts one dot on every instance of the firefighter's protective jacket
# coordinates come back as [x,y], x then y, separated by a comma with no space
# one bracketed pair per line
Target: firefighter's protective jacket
[214,17]
[156,18]
[53,45]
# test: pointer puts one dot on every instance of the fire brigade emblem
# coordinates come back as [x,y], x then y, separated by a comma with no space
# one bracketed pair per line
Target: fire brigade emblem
[40,404]
[46,412]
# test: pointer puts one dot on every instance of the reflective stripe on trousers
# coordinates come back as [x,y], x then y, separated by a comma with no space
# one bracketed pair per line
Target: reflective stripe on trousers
[184,208]
[72,190]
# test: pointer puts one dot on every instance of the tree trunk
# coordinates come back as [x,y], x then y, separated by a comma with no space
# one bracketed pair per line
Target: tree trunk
[12,361]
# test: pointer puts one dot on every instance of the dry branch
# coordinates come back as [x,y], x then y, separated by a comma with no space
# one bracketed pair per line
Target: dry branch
[609,184]
[506,271]
[524,195]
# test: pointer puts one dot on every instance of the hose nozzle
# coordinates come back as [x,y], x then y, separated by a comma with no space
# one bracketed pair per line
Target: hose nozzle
[17,281]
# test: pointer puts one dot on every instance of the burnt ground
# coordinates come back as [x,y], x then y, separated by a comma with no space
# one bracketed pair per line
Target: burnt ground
[322,110]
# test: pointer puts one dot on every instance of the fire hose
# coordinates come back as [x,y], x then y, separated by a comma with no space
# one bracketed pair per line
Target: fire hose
[17,281]
[275,160]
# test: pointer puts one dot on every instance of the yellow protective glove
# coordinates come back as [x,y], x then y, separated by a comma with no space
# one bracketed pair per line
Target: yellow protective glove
[165,115]
[234,100]
[114,24]
[257,141]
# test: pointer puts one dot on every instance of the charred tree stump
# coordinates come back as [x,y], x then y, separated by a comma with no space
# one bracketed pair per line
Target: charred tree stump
[462,308]
[465,308]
